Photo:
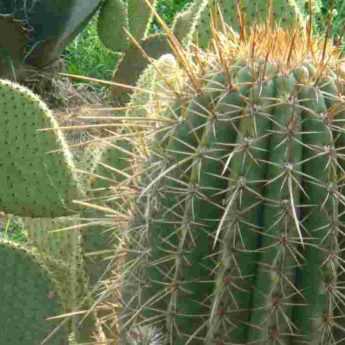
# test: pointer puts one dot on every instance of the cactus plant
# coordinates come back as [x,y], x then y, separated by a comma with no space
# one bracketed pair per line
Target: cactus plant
[199,13]
[40,183]
[118,18]
[137,24]
[58,244]
[99,238]
[40,30]
[112,24]
[235,234]
[29,297]
[194,25]
[133,63]
[33,187]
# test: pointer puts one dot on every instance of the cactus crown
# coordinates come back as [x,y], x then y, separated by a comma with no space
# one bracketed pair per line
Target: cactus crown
[236,233]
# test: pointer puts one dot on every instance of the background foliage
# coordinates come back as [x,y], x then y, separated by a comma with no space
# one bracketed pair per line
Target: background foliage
[87,56]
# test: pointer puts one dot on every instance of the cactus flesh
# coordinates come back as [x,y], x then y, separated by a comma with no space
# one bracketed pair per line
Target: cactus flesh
[36,171]
[28,298]
[235,233]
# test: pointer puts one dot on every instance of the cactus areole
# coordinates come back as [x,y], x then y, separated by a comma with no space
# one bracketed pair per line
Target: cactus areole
[237,231]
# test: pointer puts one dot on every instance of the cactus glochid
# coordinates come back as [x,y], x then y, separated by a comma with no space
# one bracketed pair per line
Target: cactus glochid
[236,235]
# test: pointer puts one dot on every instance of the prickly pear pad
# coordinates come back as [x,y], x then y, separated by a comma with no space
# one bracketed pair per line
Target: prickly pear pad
[112,25]
[36,170]
[28,298]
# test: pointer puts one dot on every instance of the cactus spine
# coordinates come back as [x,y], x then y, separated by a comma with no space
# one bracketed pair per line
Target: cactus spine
[238,215]
[195,25]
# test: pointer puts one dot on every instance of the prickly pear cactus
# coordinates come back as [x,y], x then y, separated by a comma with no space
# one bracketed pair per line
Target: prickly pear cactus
[117,18]
[37,172]
[40,184]
[235,233]
[112,23]
[59,239]
[29,296]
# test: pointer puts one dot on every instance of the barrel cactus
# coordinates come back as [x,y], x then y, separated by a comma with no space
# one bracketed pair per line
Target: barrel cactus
[287,13]
[236,232]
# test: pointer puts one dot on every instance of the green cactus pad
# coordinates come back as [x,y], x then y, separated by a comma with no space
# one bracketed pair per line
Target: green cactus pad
[36,170]
[112,23]
[28,299]
[99,238]
[139,17]
[133,63]
[184,21]
[43,234]
[58,242]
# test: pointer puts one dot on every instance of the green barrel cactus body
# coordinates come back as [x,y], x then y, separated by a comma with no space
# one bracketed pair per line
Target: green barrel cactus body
[285,13]
[29,297]
[235,234]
